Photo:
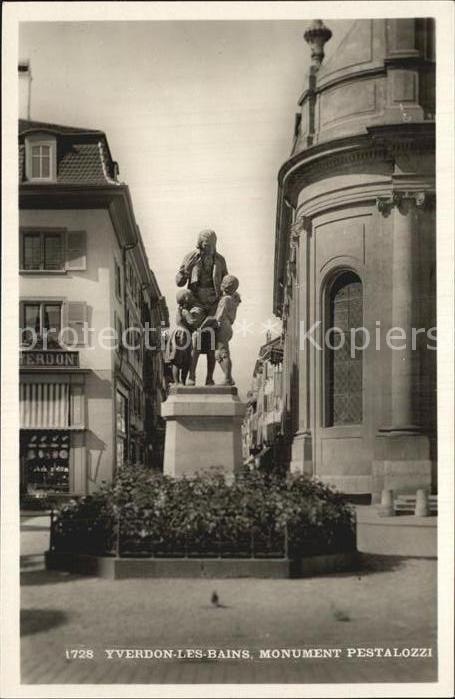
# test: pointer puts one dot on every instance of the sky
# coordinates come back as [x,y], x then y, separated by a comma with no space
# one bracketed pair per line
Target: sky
[200,117]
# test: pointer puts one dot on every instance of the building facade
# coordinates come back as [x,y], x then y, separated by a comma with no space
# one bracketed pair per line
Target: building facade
[90,383]
[263,427]
[355,248]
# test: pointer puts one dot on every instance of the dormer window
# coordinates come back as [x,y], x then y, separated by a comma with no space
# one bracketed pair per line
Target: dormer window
[41,163]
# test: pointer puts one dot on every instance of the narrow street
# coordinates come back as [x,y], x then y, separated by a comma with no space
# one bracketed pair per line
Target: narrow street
[374,608]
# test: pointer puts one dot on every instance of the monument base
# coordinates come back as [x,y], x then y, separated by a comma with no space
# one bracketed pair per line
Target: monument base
[203,430]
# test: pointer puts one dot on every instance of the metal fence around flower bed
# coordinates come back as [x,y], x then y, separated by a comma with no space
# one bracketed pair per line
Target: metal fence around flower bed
[136,537]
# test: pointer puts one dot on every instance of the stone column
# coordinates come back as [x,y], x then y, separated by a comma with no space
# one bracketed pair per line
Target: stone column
[403,361]
[402,461]
[302,461]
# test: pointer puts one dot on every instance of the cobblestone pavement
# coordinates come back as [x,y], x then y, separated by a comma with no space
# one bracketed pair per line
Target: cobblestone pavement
[392,604]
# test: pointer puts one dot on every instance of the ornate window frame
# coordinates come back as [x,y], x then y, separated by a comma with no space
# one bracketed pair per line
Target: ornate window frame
[326,288]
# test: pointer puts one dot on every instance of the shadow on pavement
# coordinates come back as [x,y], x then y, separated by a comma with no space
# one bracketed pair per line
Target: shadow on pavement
[32,560]
[374,563]
[370,565]
[37,620]
[48,577]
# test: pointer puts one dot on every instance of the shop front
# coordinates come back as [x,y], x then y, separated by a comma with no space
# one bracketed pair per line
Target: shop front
[52,424]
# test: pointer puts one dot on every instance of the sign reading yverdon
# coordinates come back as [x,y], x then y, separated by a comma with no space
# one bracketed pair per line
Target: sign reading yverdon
[49,359]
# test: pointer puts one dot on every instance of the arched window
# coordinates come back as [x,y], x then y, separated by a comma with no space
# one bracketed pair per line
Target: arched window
[343,367]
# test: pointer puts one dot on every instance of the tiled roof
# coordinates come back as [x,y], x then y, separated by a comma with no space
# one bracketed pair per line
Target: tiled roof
[81,164]
[83,156]
[25,125]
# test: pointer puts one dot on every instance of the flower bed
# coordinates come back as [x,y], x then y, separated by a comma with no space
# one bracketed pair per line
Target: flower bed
[142,514]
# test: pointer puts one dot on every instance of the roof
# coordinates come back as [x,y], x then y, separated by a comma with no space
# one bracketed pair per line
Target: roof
[26,126]
[83,156]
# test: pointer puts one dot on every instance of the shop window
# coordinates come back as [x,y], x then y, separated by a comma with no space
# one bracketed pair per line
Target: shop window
[45,460]
[42,251]
[38,318]
[344,369]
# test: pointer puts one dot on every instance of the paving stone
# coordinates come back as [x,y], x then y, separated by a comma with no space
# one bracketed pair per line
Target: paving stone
[389,606]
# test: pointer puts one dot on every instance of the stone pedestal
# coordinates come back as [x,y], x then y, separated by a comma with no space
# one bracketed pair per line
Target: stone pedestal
[203,430]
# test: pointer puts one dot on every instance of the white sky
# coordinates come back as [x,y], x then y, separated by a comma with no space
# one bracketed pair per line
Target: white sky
[199,115]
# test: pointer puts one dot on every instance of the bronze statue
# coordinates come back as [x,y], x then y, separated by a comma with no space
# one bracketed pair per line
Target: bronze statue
[225,317]
[179,345]
[203,271]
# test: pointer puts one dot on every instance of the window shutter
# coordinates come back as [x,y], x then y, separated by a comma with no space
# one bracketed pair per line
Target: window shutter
[76,316]
[76,256]
[53,251]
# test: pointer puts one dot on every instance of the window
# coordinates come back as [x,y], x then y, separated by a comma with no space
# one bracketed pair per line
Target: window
[40,317]
[45,460]
[42,251]
[137,400]
[344,368]
[40,159]
[119,332]
[121,406]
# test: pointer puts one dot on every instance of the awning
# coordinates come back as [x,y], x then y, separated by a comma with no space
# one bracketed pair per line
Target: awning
[44,405]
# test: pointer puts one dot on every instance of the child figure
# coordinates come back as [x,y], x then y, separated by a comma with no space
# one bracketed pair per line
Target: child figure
[225,317]
[178,352]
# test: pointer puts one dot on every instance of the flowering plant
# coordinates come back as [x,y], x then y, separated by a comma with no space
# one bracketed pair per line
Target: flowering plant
[145,513]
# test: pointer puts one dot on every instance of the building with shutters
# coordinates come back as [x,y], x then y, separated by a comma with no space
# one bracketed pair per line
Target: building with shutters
[263,427]
[355,247]
[87,402]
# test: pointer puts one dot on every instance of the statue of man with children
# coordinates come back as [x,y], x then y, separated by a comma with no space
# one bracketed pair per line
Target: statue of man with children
[206,311]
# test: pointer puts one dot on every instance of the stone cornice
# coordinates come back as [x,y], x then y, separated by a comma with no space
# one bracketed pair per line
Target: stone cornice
[401,199]
[404,134]
[379,142]
[382,143]
[360,194]
[115,198]
[66,196]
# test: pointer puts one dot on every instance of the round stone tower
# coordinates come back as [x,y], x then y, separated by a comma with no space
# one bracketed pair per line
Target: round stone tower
[355,259]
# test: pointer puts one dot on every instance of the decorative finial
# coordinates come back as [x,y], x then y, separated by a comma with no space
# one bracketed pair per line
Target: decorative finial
[316,36]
